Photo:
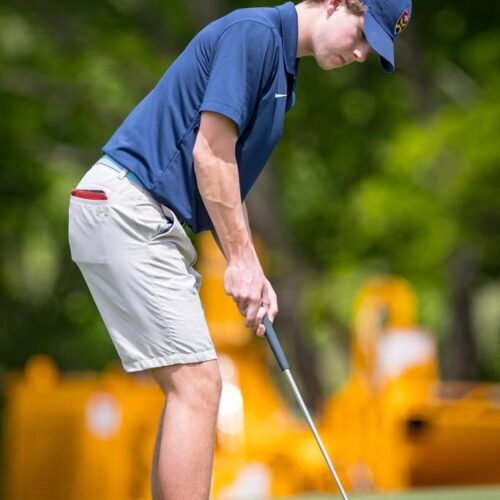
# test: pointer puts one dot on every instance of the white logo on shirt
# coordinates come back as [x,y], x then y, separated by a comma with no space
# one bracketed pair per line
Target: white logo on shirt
[280,95]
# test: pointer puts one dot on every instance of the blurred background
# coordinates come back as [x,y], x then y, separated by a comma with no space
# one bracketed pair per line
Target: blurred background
[378,219]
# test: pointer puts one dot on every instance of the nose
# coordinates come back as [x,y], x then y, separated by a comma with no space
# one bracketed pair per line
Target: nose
[361,52]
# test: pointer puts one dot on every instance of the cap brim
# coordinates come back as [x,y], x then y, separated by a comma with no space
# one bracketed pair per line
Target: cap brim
[380,42]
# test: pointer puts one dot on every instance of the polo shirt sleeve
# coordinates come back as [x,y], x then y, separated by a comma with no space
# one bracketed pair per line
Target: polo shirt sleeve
[244,58]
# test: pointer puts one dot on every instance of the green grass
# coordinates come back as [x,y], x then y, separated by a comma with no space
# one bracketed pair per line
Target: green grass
[481,493]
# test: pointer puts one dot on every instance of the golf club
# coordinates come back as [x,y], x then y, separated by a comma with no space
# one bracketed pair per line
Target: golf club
[272,338]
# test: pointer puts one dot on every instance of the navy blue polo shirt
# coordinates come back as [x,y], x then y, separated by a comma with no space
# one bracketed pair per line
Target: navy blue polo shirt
[242,66]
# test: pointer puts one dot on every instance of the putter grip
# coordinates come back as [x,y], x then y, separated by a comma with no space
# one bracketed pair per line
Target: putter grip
[272,338]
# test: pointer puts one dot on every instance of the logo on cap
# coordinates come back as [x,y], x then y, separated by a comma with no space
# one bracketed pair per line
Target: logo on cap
[402,22]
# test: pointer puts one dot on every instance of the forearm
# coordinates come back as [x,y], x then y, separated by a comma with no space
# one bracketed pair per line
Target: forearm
[218,184]
[247,222]
[245,215]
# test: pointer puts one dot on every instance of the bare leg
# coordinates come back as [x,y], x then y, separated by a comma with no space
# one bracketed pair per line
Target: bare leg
[185,441]
[155,481]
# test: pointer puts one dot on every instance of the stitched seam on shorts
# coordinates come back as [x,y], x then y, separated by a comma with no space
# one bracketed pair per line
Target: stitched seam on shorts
[157,304]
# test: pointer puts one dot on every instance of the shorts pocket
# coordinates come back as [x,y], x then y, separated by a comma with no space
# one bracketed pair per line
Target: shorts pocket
[165,228]
[197,277]
[87,229]
[152,221]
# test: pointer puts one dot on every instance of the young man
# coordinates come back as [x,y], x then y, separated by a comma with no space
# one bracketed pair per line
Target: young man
[188,154]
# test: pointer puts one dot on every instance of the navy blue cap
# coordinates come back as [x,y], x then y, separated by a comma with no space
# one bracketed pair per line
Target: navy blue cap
[384,21]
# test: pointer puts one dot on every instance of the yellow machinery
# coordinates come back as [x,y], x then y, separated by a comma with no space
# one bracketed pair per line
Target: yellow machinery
[78,436]
[392,425]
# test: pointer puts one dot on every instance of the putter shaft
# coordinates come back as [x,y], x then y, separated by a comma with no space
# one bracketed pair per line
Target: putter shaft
[275,345]
[298,397]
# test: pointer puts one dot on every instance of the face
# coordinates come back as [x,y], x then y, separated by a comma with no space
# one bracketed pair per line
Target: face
[339,37]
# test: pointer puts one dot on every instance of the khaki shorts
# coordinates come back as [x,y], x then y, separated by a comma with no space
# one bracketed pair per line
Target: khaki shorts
[137,261]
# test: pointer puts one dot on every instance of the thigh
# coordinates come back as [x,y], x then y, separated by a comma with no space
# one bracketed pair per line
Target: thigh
[188,378]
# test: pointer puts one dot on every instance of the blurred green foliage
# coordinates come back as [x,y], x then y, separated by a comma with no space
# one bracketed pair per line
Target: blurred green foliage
[376,173]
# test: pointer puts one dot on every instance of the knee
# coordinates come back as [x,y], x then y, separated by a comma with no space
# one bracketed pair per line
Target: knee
[201,394]
[207,390]
[198,385]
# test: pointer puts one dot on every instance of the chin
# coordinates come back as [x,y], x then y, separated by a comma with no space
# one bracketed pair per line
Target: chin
[326,64]
[329,66]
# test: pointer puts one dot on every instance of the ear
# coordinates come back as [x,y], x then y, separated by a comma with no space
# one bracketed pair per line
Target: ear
[332,6]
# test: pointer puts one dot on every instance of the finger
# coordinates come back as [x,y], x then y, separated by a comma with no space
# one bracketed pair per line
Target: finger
[270,298]
[258,319]
[242,307]
[261,330]
[251,313]
[273,312]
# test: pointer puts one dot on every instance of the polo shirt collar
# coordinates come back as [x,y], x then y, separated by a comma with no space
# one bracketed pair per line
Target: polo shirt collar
[289,32]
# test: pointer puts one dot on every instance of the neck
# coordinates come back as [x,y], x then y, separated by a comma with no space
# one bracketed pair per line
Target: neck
[306,14]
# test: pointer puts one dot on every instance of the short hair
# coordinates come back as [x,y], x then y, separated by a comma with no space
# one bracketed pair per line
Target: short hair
[355,6]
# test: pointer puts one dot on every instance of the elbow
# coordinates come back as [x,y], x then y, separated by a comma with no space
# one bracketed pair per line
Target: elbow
[198,155]
[202,155]
[203,166]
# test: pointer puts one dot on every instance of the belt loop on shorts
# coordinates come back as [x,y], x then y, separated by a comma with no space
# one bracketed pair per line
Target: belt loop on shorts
[123,172]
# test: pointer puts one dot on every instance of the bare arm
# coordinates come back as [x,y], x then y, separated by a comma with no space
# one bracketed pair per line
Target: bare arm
[247,222]
[269,298]
[218,182]
[245,215]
